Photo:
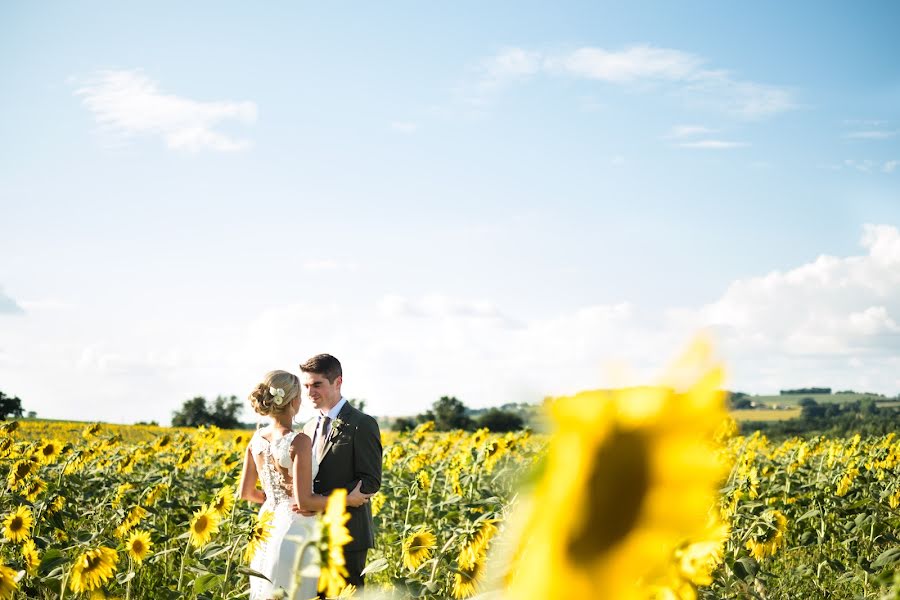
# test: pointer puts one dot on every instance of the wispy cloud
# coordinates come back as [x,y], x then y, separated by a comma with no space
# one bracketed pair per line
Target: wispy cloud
[685,131]
[713,145]
[638,63]
[128,103]
[438,306]
[329,264]
[694,137]
[8,306]
[641,66]
[873,134]
[890,166]
[404,126]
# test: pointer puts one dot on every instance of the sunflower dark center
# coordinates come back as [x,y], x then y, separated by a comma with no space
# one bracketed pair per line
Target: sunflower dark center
[16,524]
[617,485]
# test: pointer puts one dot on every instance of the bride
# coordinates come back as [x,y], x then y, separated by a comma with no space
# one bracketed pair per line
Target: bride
[282,461]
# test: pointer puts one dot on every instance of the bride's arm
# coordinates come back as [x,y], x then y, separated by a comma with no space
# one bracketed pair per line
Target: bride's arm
[302,474]
[301,471]
[249,476]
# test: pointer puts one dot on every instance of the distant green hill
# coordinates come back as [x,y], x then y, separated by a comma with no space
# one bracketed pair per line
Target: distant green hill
[794,399]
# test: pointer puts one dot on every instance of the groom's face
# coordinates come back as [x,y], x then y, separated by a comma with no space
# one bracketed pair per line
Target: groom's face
[322,393]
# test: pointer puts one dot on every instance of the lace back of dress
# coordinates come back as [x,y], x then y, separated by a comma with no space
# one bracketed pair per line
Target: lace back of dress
[275,484]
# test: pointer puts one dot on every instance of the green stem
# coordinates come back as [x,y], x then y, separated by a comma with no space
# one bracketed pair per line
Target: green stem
[65,582]
[296,577]
[230,554]
[408,506]
[187,547]
[128,585]
[228,567]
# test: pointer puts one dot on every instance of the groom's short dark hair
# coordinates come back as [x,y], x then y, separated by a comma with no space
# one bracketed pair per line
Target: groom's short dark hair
[323,364]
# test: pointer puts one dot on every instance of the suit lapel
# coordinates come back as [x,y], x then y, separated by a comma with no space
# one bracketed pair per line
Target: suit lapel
[332,430]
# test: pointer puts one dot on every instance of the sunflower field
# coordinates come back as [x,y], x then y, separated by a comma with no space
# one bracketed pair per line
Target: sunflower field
[633,493]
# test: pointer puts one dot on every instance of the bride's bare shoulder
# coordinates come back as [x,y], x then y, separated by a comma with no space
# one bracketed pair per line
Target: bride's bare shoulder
[301,441]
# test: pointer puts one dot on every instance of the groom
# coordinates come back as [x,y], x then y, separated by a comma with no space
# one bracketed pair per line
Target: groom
[347,446]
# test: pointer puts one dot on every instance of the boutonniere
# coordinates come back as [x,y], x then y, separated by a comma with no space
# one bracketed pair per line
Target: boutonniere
[336,426]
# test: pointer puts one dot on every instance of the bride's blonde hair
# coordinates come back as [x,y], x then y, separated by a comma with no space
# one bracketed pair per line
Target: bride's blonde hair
[265,402]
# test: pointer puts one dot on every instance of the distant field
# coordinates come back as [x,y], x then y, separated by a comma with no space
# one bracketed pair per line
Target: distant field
[793,399]
[765,414]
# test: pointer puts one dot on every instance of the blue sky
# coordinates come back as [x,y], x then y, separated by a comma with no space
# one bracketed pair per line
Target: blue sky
[497,202]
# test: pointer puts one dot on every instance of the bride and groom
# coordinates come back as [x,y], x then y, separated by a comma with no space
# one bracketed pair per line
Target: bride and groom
[298,470]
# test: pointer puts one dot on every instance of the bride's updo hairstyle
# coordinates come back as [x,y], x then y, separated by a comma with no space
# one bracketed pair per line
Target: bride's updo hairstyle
[275,394]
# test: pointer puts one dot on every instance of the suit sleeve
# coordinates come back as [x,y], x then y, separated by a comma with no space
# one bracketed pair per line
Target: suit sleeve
[367,455]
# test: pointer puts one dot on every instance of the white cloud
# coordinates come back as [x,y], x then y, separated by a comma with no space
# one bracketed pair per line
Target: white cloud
[829,307]
[128,103]
[873,134]
[640,67]
[713,145]
[512,63]
[890,166]
[832,321]
[439,306]
[329,264]
[866,166]
[404,126]
[630,65]
[687,131]
[8,306]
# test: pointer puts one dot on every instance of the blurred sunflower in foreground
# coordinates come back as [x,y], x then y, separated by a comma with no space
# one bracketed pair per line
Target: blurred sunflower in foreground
[332,539]
[631,476]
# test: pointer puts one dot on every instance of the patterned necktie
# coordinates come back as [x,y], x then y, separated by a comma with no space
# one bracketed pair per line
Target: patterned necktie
[321,436]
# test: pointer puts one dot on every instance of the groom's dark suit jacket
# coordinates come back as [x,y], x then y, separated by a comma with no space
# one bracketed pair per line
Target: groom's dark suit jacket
[352,453]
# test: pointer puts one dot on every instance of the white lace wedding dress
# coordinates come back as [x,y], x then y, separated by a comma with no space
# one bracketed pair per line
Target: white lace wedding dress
[277,557]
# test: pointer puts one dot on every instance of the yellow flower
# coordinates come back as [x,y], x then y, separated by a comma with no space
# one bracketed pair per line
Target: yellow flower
[894,500]
[184,459]
[846,481]
[259,535]
[8,585]
[334,537]
[56,505]
[771,537]
[423,479]
[478,545]
[120,493]
[138,545]
[468,576]
[34,488]
[417,548]
[134,516]
[493,452]
[378,501]
[17,526]
[91,431]
[204,524]
[629,475]
[6,444]
[92,569]
[48,451]
[101,595]
[31,557]
[223,502]
[154,494]
[20,471]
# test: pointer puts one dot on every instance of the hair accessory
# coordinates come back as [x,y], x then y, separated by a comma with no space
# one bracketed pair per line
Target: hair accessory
[277,395]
